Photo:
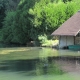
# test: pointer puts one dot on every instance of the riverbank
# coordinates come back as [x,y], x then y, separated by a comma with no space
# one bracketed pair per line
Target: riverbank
[47,43]
[51,43]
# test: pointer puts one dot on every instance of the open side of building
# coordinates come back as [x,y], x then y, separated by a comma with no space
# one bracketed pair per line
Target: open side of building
[69,31]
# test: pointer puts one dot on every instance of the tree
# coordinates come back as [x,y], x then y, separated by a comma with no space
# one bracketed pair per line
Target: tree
[34,18]
[7,30]
[2,12]
[49,16]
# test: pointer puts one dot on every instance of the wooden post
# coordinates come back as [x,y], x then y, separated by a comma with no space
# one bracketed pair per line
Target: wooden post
[66,41]
[74,40]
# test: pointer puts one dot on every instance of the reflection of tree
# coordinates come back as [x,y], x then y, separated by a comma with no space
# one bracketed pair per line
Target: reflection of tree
[32,67]
[48,52]
[47,66]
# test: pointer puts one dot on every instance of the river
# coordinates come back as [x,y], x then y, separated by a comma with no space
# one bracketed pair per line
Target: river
[36,63]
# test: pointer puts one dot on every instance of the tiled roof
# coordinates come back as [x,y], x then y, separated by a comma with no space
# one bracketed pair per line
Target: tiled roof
[69,28]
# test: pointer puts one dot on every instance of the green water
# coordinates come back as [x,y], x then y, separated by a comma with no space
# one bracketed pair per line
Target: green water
[27,63]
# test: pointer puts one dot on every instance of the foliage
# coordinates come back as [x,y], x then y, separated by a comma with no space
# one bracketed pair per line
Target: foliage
[42,38]
[48,17]
[23,30]
[34,18]
[7,32]
[2,12]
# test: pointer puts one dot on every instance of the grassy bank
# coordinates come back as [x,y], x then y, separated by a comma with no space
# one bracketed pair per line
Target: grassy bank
[50,43]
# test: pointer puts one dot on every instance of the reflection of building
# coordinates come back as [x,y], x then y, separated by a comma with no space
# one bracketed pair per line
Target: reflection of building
[69,32]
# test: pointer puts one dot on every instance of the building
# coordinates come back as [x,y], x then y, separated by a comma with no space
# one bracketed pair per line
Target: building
[69,31]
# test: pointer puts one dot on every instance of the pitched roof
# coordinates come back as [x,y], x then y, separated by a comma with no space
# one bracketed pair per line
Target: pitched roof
[71,27]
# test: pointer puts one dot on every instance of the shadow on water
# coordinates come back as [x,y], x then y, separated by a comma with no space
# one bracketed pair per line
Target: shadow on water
[32,67]
[39,62]
[51,65]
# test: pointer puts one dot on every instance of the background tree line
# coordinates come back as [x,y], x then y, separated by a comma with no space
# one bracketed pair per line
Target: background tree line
[33,19]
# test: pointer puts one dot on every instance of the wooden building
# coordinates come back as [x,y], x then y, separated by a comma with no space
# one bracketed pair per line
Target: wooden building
[69,31]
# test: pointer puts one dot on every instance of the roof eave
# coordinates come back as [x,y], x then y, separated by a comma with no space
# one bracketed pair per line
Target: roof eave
[77,32]
[61,35]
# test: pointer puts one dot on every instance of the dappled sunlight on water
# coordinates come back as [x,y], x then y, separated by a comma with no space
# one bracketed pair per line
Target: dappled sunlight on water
[9,50]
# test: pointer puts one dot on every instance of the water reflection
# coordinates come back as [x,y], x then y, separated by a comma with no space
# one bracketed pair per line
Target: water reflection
[46,65]
[49,65]
[32,67]
[38,62]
